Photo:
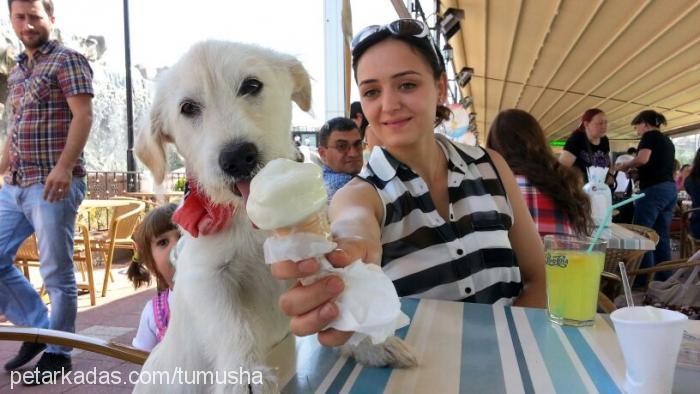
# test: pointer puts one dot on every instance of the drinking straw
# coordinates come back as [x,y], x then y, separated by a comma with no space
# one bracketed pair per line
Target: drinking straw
[608,215]
[626,285]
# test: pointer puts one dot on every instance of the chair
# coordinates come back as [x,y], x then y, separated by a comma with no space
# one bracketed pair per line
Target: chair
[124,221]
[689,244]
[82,258]
[27,255]
[611,282]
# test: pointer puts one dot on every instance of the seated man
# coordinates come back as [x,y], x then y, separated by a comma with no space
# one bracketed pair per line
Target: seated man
[341,152]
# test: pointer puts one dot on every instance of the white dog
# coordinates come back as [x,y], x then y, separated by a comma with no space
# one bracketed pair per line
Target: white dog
[227,109]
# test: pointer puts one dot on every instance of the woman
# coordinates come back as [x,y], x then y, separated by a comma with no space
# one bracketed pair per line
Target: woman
[553,192]
[654,163]
[588,146]
[692,187]
[682,175]
[462,223]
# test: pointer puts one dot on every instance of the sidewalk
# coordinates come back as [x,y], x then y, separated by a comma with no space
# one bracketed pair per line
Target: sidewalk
[115,317]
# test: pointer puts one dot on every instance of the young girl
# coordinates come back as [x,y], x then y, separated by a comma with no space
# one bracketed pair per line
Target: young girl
[154,238]
[444,221]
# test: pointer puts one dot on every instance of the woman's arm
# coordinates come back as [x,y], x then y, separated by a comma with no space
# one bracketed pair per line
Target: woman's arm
[526,242]
[565,158]
[641,159]
[355,212]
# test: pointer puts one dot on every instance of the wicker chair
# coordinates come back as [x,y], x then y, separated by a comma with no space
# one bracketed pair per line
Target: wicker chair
[124,221]
[689,244]
[610,283]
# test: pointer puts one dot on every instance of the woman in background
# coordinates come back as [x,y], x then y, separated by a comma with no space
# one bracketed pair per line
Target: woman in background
[654,162]
[553,192]
[692,187]
[588,146]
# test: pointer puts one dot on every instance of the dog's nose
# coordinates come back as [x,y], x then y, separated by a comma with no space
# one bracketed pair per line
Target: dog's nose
[239,159]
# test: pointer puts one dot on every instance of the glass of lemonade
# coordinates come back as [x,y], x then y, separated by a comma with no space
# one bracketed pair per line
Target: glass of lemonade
[573,278]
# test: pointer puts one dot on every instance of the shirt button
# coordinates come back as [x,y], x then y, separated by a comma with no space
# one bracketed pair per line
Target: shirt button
[452,216]
[460,252]
[468,290]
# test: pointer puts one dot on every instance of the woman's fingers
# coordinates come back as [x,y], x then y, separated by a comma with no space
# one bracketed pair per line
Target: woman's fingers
[292,270]
[333,337]
[314,321]
[300,300]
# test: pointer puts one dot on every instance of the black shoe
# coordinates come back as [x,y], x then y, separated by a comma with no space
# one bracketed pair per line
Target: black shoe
[50,367]
[26,353]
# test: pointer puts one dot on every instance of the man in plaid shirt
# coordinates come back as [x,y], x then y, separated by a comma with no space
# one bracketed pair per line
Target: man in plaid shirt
[50,115]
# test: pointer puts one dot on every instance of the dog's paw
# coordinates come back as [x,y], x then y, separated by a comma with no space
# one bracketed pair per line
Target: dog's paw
[394,353]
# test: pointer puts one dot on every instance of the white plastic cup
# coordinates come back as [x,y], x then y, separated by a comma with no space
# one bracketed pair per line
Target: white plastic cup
[650,339]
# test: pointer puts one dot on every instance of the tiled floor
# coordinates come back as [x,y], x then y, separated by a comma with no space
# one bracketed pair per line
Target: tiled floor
[115,317]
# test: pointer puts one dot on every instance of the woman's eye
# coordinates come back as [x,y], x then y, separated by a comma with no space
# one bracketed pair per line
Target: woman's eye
[162,242]
[370,93]
[407,86]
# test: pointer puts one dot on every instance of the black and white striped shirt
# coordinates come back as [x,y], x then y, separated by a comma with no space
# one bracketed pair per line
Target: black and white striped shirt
[468,258]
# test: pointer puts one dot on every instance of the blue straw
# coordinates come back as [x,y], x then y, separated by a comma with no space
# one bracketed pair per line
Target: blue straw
[608,215]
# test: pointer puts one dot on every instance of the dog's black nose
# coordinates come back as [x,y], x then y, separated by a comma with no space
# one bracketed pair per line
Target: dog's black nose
[239,159]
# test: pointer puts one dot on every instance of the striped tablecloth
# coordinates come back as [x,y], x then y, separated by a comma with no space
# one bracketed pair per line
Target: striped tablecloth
[474,348]
[621,238]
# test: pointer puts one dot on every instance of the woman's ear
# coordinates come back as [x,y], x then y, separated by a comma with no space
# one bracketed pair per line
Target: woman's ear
[442,88]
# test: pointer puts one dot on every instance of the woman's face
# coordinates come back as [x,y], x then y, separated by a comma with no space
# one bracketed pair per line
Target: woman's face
[160,249]
[598,126]
[398,92]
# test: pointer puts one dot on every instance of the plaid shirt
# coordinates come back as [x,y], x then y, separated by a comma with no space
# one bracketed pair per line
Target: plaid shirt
[39,116]
[548,219]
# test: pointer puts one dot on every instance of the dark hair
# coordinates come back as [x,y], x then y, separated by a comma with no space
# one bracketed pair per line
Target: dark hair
[587,117]
[156,223]
[695,172]
[356,108]
[632,151]
[423,46]
[48,5]
[650,117]
[519,138]
[336,124]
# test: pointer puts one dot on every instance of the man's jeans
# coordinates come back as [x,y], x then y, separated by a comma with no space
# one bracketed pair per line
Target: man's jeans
[655,210]
[23,211]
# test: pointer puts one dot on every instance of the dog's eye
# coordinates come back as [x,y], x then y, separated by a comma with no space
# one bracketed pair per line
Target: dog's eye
[190,108]
[250,86]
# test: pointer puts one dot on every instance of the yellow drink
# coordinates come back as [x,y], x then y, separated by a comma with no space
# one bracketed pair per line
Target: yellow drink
[573,278]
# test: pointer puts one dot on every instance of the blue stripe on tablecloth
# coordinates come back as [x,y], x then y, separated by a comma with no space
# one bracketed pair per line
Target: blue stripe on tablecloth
[564,376]
[480,374]
[374,380]
[342,376]
[600,377]
[522,365]
[309,353]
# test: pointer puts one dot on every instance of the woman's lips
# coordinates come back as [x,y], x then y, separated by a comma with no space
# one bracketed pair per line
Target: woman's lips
[396,123]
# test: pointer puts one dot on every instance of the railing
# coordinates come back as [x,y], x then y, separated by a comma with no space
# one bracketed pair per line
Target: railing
[102,185]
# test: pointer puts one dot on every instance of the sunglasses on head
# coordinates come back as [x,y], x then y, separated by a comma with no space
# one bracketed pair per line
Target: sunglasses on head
[399,27]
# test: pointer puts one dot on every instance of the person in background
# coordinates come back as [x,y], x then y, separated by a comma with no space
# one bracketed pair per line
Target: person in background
[682,175]
[340,148]
[588,146]
[50,115]
[553,192]
[444,221]
[654,163]
[154,238]
[357,115]
[692,187]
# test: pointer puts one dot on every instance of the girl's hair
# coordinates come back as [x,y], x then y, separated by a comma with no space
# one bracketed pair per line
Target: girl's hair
[517,136]
[695,171]
[423,46]
[156,223]
[587,117]
[650,117]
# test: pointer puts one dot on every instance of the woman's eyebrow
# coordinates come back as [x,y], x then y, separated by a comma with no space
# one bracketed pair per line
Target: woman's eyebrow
[397,75]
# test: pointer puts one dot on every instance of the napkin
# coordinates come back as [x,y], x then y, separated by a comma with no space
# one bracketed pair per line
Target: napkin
[369,305]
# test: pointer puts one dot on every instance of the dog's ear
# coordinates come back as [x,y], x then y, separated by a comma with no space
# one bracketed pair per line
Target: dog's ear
[150,144]
[302,85]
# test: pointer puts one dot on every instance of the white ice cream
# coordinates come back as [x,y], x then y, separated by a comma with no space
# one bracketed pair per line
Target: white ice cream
[284,193]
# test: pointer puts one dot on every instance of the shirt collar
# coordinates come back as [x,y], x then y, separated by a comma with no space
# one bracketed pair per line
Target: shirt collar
[44,49]
[385,166]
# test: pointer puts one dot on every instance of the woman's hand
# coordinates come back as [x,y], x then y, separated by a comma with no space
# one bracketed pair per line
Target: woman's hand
[311,307]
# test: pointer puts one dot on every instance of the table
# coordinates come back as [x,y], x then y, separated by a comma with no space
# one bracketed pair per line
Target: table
[156,197]
[621,238]
[480,348]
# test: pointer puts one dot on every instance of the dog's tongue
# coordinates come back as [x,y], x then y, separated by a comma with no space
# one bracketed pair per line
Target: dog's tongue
[244,188]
